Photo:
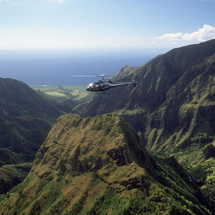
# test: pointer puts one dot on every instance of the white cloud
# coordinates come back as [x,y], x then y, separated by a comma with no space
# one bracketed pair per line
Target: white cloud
[205,33]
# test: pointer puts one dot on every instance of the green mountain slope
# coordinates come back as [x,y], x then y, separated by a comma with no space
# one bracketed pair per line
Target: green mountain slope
[172,105]
[98,165]
[11,175]
[169,88]
[26,118]
[187,114]
[18,99]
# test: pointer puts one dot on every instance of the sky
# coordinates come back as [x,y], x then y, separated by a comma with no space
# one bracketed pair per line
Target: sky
[96,24]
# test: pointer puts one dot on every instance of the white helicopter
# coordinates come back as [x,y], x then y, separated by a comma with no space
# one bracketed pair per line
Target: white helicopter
[106,84]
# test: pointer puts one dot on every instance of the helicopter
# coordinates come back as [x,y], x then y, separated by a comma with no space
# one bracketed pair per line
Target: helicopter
[106,84]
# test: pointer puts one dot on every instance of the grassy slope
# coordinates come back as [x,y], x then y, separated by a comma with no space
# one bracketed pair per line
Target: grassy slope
[64,92]
[199,160]
[172,106]
[13,174]
[68,97]
[99,166]
[25,120]
[9,157]
[26,117]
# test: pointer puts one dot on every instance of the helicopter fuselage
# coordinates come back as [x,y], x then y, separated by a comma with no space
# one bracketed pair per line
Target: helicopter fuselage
[103,86]
[106,84]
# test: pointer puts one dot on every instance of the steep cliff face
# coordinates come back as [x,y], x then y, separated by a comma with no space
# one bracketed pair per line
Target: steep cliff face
[172,107]
[98,165]
[173,102]
[187,115]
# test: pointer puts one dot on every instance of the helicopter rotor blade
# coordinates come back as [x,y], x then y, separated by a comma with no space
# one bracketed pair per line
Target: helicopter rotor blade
[84,76]
[91,76]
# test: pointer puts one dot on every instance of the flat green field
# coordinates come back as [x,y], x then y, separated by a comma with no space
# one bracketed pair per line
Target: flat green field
[67,92]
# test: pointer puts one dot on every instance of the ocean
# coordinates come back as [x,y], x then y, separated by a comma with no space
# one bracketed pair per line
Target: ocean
[63,67]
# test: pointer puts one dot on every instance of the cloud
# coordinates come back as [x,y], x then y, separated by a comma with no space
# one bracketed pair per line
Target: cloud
[205,33]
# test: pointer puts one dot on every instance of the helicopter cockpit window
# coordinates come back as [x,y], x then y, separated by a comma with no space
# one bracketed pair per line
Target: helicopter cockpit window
[91,85]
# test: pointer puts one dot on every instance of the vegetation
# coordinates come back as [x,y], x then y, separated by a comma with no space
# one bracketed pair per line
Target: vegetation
[26,118]
[97,165]
[9,157]
[11,175]
[64,92]
[199,161]
[172,107]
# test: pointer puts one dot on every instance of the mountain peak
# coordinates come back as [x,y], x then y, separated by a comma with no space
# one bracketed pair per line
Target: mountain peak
[90,143]
[98,165]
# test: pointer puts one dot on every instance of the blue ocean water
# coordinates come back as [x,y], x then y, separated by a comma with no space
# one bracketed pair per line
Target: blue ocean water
[63,67]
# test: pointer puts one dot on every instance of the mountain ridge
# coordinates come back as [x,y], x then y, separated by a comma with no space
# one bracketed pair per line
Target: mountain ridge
[25,120]
[25,115]
[172,107]
[181,76]
[98,165]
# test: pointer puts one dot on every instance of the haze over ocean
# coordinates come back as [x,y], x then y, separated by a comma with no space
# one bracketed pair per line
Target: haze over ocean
[58,67]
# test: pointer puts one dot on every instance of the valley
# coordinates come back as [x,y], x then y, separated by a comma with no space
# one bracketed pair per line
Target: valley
[134,150]
[64,92]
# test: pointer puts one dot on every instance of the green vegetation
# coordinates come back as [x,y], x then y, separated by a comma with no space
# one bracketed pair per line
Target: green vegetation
[202,168]
[64,92]
[77,207]
[81,169]
[98,165]
[9,157]
[172,108]
[11,175]
[26,118]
